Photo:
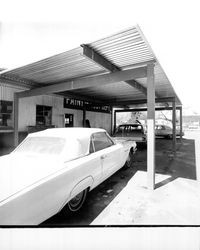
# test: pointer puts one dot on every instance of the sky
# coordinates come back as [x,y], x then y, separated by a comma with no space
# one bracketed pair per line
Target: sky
[33,30]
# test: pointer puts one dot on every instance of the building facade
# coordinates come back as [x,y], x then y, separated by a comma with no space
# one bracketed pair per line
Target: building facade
[39,112]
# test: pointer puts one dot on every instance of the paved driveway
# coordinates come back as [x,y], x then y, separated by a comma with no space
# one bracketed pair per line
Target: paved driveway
[183,166]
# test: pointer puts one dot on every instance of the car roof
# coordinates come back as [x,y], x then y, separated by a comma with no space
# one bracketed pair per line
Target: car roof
[130,124]
[163,125]
[76,132]
[70,134]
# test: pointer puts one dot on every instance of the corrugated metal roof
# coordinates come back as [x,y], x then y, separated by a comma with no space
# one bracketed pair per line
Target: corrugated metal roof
[67,65]
[125,50]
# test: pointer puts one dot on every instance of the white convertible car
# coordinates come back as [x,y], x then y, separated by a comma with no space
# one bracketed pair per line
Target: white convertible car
[54,169]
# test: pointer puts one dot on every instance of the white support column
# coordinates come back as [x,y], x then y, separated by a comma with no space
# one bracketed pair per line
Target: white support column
[150,127]
[16,118]
[174,125]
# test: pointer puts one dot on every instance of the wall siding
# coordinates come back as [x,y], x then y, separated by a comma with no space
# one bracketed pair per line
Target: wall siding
[27,111]
[99,120]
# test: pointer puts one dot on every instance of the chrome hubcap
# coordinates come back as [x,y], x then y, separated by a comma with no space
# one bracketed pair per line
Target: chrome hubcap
[76,200]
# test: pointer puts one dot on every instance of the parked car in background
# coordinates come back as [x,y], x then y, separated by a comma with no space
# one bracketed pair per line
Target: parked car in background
[54,169]
[133,132]
[166,131]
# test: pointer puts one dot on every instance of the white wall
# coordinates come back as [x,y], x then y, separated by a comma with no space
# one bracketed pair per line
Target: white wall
[27,113]
[99,120]
[27,110]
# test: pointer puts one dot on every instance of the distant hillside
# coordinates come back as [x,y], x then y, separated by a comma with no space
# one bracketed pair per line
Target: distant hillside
[191,118]
[189,111]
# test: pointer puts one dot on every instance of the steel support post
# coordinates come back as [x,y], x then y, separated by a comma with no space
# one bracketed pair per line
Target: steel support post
[111,121]
[114,121]
[150,127]
[174,125]
[84,116]
[181,124]
[16,118]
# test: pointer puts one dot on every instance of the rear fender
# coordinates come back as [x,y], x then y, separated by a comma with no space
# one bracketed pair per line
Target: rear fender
[82,185]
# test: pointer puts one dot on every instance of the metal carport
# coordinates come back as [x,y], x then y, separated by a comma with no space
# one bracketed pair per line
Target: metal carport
[119,70]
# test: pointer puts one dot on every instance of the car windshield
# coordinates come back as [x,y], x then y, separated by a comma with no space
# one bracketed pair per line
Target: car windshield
[42,145]
[129,130]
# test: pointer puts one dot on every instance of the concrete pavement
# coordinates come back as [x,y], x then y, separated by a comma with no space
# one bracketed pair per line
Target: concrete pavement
[175,201]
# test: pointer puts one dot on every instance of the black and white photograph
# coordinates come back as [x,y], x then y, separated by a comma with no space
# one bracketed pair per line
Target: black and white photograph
[99,124]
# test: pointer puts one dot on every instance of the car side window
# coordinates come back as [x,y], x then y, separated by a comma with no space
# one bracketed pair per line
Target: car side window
[101,141]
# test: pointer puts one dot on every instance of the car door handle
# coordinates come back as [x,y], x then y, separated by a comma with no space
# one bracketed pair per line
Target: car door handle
[103,157]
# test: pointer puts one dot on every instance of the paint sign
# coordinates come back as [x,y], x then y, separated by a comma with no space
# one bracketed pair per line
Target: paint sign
[89,106]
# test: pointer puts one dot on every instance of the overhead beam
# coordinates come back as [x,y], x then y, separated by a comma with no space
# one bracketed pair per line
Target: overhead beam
[87,82]
[139,101]
[106,64]
[145,109]
[15,81]
[98,58]
[137,86]
[70,94]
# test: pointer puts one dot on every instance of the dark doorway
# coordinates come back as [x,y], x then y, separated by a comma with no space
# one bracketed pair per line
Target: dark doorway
[69,120]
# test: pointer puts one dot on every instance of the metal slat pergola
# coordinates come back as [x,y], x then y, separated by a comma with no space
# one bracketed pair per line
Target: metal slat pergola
[119,70]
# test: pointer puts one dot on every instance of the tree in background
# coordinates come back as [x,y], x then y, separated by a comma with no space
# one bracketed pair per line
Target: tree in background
[166,116]
[163,117]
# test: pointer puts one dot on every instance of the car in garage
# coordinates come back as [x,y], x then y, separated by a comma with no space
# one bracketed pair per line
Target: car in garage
[166,131]
[132,132]
[54,169]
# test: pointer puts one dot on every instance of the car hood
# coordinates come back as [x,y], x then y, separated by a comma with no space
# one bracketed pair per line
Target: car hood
[135,137]
[18,172]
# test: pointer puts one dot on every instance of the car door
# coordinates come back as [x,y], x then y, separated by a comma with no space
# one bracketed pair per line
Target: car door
[109,153]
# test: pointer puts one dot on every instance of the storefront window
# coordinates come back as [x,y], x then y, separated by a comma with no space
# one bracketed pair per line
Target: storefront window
[6,109]
[43,115]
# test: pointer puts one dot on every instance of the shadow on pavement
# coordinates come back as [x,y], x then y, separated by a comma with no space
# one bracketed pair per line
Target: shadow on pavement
[182,165]
[164,182]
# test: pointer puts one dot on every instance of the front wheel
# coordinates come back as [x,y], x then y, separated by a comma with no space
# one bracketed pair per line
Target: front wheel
[169,136]
[76,203]
[129,160]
